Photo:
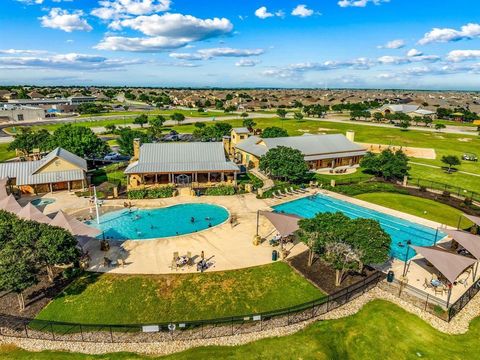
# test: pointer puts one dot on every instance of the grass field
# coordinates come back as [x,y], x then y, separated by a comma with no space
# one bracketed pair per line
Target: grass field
[187,113]
[424,208]
[122,299]
[464,181]
[5,154]
[381,330]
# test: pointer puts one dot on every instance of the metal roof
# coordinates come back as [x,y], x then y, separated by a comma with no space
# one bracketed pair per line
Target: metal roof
[241,130]
[26,172]
[181,157]
[313,147]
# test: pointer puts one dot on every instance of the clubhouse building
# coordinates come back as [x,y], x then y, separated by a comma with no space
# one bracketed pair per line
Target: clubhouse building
[320,151]
[193,164]
[58,170]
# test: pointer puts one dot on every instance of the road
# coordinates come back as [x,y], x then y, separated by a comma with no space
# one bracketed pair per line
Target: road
[5,138]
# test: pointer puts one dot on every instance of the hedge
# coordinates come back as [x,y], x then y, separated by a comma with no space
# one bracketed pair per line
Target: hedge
[221,190]
[153,193]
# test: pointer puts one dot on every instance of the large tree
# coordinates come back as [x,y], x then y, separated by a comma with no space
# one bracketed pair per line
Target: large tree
[178,117]
[156,126]
[55,246]
[450,161]
[344,243]
[79,140]
[141,120]
[27,139]
[127,135]
[388,164]
[284,163]
[274,132]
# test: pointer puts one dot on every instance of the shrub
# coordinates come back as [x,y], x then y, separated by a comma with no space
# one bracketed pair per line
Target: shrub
[446,193]
[154,193]
[72,273]
[221,190]
[423,188]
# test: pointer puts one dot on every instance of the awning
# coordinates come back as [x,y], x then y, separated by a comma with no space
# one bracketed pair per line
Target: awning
[474,219]
[30,212]
[286,224]
[450,265]
[74,226]
[468,241]
[10,204]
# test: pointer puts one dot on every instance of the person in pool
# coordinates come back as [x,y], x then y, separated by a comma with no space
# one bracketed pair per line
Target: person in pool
[192,219]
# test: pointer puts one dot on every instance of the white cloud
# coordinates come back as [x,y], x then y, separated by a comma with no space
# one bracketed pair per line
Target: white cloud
[399,60]
[360,3]
[63,20]
[466,32]
[263,13]
[247,63]
[462,55]
[414,52]
[302,11]
[178,26]
[167,31]
[284,74]
[394,44]
[115,9]
[65,62]
[31,2]
[206,54]
[23,52]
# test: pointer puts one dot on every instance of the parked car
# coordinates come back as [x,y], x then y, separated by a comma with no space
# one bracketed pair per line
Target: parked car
[470,157]
[113,156]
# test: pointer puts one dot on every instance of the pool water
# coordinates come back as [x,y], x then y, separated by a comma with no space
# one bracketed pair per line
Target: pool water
[42,202]
[400,230]
[141,224]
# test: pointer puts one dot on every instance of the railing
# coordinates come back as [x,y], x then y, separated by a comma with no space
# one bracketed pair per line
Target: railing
[453,190]
[12,326]
[463,300]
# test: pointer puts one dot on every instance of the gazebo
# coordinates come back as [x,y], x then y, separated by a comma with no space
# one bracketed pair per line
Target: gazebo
[448,264]
[30,212]
[472,218]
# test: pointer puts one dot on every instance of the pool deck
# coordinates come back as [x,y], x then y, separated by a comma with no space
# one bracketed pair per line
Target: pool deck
[226,247]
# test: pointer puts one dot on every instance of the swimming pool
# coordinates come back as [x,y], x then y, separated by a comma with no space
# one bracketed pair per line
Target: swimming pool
[141,224]
[42,201]
[400,230]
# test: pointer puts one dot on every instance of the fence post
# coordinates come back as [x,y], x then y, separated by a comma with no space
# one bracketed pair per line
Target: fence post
[26,329]
[328,302]
[232,326]
[111,334]
[426,302]
[51,329]
[81,332]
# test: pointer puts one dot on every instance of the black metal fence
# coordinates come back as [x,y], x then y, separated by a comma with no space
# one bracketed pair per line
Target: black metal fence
[437,186]
[12,326]
[463,300]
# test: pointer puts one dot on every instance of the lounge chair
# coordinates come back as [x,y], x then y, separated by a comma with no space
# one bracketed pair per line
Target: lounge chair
[279,193]
[427,284]
[288,192]
[276,196]
[439,290]
[293,191]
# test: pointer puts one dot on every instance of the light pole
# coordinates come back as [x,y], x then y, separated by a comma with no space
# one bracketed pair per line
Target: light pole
[406,258]
[96,203]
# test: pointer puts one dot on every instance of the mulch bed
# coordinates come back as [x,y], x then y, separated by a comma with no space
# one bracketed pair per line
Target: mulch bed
[323,276]
[36,297]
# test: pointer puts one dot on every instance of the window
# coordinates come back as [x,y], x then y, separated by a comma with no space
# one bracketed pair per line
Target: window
[20,117]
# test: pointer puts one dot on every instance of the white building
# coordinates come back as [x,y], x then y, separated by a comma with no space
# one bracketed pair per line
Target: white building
[21,113]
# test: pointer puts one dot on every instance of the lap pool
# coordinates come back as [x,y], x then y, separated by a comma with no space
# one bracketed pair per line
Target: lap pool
[141,224]
[400,230]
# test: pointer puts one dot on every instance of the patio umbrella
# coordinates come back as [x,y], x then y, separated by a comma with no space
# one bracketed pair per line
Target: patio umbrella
[286,224]
[30,212]
[74,226]
[3,188]
[10,204]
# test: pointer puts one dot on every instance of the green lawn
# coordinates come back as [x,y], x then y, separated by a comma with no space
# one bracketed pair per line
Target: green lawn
[357,176]
[5,154]
[413,205]
[464,181]
[123,299]
[187,113]
[381,330]
[113,173]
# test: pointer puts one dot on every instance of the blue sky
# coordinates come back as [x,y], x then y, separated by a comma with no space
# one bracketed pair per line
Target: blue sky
[425,44]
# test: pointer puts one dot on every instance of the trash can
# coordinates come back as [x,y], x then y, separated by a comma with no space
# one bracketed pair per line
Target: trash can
[390,276]
[274,255]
